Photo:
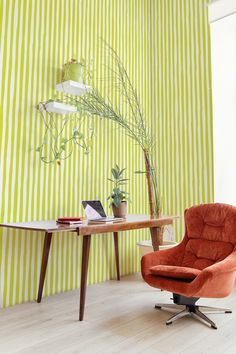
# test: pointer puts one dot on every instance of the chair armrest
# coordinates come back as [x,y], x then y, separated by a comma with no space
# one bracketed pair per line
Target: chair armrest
[216,280]
[226,265]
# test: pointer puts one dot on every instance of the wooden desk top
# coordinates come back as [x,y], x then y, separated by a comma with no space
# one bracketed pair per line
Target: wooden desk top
[44,226]
[131,222]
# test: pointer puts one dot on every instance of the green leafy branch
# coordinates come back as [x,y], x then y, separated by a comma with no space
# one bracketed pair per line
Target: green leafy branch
[134,125]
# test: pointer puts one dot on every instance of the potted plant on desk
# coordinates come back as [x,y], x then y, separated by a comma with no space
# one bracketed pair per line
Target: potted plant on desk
[118,197]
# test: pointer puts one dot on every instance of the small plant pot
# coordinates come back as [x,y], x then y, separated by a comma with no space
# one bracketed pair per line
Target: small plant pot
[121,211]
[146,246]
[74,71]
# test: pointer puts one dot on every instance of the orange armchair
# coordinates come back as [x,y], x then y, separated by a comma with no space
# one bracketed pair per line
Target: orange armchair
[202,265]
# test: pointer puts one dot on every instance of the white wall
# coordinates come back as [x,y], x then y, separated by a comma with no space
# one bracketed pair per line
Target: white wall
[223,42]
[218,9]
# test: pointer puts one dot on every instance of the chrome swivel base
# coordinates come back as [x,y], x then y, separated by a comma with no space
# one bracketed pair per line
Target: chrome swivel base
[191,309]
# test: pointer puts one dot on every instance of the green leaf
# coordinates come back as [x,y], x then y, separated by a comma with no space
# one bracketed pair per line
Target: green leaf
[63,147]
[115,173]
[123,180]
[117,202]
[117,168]
[64,140]
[76,133]
[38,149]
[121,171]
[111,180]
[139,172]
[116,190]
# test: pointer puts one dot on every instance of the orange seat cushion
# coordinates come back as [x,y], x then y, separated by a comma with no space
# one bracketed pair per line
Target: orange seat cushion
[185,273]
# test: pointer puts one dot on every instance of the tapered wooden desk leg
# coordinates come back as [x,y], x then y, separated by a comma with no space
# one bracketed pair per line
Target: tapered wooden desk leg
[155,236]
[84,274]
[46,249]
[115,237]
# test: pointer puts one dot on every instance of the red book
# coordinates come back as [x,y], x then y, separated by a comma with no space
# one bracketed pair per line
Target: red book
[69,218]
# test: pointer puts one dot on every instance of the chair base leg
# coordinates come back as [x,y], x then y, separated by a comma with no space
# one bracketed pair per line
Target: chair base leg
[209,309]
[177,316]
[192,310]
[203,318]
[167,306]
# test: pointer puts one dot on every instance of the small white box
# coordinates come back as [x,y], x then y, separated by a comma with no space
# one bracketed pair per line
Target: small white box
[60,108]
[73,88]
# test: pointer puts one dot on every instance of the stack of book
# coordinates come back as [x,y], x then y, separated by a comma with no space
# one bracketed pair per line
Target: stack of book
[70,220]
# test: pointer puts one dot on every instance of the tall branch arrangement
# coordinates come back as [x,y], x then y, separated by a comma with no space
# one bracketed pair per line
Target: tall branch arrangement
[134,125]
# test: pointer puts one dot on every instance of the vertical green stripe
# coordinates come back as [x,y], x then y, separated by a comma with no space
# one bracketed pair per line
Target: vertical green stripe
[165,46]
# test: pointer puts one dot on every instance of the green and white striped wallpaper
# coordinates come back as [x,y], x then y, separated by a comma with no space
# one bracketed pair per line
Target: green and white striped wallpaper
[166,49]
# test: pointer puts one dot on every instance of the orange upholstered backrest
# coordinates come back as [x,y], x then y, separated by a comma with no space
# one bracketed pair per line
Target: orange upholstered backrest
[210,234]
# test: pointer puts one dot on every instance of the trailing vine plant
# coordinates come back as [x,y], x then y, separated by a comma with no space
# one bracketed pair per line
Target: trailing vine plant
[64,133]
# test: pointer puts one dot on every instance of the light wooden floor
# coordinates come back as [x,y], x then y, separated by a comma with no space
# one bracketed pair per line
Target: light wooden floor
[119,318]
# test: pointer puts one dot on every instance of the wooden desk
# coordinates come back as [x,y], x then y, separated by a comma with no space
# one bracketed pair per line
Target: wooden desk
[132,222]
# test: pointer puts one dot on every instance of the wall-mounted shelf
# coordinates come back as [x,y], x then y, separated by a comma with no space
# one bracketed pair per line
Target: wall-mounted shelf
[60,108]
[73,87]
[70,87]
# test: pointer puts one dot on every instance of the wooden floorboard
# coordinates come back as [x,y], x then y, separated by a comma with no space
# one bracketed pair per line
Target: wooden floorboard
[119,318]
